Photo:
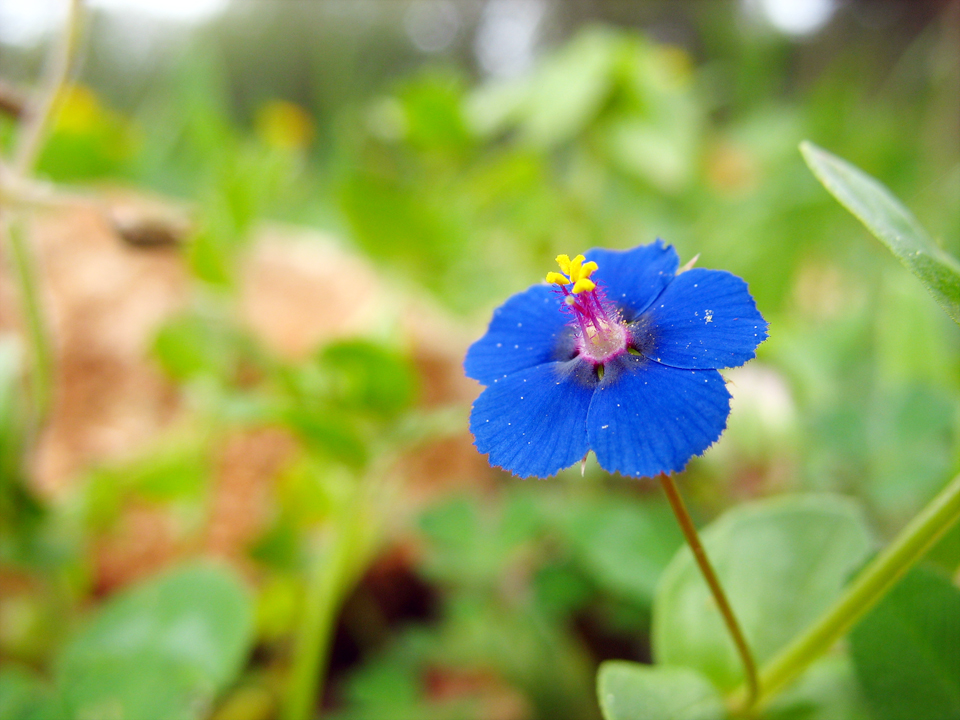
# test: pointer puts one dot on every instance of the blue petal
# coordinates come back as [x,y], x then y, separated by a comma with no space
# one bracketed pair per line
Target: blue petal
[632,279]
[534,422]
[647,418]
[528,329]
[704,319]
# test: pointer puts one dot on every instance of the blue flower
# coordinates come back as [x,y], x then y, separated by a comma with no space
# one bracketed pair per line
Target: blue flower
[617,354]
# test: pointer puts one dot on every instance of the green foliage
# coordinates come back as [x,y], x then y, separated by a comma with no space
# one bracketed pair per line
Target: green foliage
[827,691]
[175,473]
[23,694]
[628,691]
[891,223]
[346,398]
[606,534]
[782,562]
[368,378]
[467,189]
[164,649]
[905,650]
[88,141]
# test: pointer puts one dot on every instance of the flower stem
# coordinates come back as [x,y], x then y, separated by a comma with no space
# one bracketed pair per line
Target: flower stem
[716,589]
[860,596]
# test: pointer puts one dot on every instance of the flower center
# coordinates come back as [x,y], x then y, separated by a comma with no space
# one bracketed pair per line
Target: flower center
[602,334]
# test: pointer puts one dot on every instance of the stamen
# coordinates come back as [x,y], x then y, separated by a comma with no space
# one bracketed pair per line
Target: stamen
[602,334]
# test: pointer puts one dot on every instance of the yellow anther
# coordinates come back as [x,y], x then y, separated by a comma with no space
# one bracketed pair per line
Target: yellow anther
[575,266]
[574,271]
[587,269]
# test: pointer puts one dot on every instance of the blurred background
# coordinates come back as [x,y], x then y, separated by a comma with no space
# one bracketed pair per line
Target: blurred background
[269,232]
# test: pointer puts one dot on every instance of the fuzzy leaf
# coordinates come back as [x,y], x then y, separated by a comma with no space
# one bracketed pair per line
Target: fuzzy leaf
[892,224]
[630,691]
[781,561]
[907,650]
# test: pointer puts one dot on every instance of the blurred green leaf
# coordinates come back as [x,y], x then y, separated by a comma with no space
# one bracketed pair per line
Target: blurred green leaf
[471,543]
[910,435]
[894,225]
[368,377]
[569,88]
[559,99]
[827,691]
[210,257]
[433,115]
[190,345]
[526,648]
[781,561]
[329,430]
[401,221]
[560,590]
[174,471]
[165,648]
[385,689]
[630,691]
[22,693]
[625,545]
[907,650]
[460,552]
[87,140]
[136,687]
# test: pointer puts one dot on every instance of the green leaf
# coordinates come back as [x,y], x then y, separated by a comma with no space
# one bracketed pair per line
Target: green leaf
[162,649]
[559,99]
[827,691]
[471,543]
[907,650]
[630,691]
[189,345]
[21,693]
[138,687]
[624,545]
[892,224]
[781,561]
[367,377]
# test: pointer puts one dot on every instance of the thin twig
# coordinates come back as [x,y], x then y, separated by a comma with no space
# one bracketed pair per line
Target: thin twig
[39,112]
[31,134]
[716,589]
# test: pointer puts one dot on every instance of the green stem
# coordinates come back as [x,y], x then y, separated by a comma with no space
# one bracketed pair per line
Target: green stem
[716,589]
[328,584]
[862,594]
[41,378]
[29,142]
